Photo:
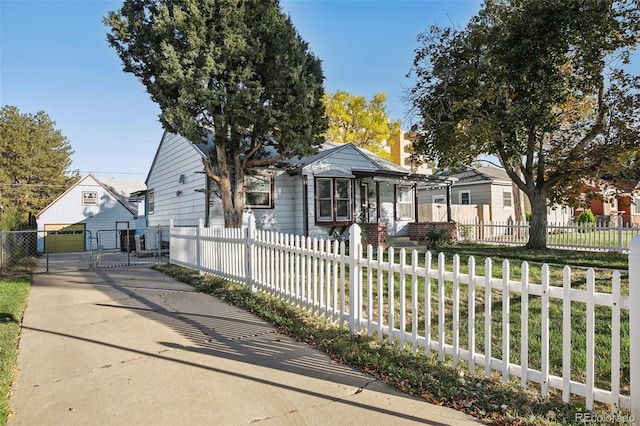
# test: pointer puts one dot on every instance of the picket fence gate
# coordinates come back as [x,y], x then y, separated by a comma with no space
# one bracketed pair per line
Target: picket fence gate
[339,282]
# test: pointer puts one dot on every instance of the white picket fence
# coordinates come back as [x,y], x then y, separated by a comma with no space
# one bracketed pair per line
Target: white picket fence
[593,237]
[418,302]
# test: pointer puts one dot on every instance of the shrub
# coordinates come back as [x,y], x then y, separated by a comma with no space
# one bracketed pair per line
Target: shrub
[586,218]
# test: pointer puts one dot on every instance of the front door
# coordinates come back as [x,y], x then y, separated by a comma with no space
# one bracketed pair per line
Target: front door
[364,203]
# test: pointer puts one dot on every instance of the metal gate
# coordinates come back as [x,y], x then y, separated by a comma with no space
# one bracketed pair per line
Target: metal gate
[131,247]
[45,251]
[39,251]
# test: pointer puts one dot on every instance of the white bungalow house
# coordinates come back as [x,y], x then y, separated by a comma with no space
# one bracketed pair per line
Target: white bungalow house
[317,196]
[74,220]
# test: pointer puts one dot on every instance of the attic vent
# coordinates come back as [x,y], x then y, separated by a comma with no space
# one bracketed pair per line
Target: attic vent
[181,179]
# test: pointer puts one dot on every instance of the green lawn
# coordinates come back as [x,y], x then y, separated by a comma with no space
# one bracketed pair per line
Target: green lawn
[603,264]
[13,300]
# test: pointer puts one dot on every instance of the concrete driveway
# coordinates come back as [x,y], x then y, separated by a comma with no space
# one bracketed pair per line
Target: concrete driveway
[132,346]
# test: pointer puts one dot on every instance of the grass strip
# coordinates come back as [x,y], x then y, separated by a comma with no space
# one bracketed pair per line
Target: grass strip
[13,300]
[419,374]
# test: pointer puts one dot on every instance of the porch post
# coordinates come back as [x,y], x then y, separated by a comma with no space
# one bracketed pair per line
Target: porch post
[448,192]
[415,202]
[378,206]
[634,325]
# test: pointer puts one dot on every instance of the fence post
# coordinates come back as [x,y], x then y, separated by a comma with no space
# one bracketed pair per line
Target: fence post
[198,245]
[250,226]
[355,276]
[159,245]
[620,243]
[171,226]
[634,325]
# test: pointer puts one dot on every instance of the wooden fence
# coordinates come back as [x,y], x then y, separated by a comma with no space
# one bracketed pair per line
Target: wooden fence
[593,237]
[414,300]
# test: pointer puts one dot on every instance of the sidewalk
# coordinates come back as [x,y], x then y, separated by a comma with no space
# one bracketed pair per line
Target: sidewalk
[132,346]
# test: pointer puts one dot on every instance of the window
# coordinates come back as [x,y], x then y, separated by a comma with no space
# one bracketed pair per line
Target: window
[464,197]
[506,199]
[89,198]
[150,201]
[334,200]
[636,205]
[258,191]
[404,202]
[439,199]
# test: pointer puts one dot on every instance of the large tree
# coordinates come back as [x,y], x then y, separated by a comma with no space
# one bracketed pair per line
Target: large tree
[236,70]
[34,164]
[539,83]
[365,124]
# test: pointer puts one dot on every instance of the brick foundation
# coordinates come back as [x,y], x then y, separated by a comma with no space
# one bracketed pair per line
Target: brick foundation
[374,234]
[419,231]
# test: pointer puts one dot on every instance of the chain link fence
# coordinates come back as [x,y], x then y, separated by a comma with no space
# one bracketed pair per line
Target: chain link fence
[24,252]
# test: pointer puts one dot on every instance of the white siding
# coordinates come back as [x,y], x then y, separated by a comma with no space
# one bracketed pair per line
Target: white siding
[286,215]
[498,212]
[342,162]
[176,198]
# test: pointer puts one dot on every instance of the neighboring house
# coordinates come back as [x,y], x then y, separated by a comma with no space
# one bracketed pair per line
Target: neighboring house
[478,193]
[316,196]
[90,207]
[483,194]
[608,203]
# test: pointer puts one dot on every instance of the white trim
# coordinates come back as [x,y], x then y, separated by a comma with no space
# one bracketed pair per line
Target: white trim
[460,193]
[510,206]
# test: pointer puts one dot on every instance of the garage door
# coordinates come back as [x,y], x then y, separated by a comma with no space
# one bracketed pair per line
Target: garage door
[64,238]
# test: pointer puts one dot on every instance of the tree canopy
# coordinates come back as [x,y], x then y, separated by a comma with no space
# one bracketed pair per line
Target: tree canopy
[234,69]
[354,120]
[541,84]
[34,164]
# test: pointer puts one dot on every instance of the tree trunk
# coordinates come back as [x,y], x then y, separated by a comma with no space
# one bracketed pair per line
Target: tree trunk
[538,225]
[517,203]
[232,202]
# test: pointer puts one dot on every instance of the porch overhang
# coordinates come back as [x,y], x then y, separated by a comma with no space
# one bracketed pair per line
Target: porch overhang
[399,177]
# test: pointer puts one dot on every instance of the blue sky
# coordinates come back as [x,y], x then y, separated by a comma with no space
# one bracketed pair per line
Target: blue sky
[54,57]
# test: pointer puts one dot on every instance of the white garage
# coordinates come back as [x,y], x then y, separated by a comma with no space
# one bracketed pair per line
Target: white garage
[74,220]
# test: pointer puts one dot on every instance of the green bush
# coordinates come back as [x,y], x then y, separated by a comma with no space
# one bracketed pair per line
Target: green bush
[586,218]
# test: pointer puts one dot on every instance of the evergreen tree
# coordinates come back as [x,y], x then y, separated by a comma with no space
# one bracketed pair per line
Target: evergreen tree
[234,69]
[34,164]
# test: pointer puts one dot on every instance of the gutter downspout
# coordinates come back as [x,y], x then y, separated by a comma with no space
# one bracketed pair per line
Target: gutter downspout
[207,201]
[305,204]
[449,201]
[378,206]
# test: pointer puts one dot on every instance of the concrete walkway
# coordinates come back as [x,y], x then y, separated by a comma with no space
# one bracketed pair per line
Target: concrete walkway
[132,346]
